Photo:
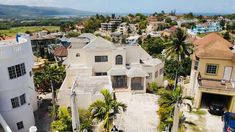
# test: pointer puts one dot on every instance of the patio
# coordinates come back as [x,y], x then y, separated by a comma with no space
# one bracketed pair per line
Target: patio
[141,113]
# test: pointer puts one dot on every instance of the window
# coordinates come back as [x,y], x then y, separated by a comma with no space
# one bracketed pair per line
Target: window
[156,74]
[119,60]
[101,58]
[196,63]
[15,102]
[161,71]
[22,99]
[150,76]
[16,71]
[211,69]
[20,125]
[101,73]
[22,67]
[11,71]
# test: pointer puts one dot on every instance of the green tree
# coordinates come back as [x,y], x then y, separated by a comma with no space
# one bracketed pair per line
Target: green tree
[72,34]
[226,36]
[166,102]
[153,46]
[189,15]
[171,66]
[64,121]
[222,23]
[178,48]
[106,110]
[168,20]
[85,120]
[53,73]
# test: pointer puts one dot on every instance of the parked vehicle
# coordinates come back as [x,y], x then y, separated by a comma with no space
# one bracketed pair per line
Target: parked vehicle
[216,107]
[229,122]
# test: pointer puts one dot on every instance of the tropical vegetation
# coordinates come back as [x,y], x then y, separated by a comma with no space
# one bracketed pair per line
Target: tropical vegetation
[43,78]
[106,110]
[168,99]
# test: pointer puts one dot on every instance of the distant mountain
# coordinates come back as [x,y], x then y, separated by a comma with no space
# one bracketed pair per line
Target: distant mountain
[22,10]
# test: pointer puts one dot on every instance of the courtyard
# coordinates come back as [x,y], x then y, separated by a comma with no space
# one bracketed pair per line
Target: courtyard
[141,114]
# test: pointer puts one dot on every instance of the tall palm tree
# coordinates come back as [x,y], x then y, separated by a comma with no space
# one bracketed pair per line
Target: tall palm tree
[106,110]
[178,48]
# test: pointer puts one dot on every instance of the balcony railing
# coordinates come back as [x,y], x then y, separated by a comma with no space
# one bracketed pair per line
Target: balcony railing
[216,85]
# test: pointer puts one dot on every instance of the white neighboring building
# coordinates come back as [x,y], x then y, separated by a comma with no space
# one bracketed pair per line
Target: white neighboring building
[127,67]
[17,94]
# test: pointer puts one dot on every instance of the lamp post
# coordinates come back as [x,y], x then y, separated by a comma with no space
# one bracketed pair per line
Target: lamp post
[74,110]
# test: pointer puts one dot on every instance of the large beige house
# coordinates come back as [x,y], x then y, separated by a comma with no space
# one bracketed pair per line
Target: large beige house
[212,74]
[127,67]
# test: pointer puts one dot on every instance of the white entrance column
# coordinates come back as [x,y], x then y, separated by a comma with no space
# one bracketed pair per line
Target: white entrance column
[144,85]
[129,83]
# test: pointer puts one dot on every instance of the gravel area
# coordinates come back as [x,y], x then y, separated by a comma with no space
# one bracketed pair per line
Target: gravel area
[141,115]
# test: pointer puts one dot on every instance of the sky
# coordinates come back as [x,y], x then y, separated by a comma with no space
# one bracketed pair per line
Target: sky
[134,6]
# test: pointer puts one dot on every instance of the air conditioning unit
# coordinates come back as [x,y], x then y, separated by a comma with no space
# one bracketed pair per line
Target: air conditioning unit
[223,82]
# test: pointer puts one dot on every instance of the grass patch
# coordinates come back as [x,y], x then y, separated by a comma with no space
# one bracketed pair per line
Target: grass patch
[13,31]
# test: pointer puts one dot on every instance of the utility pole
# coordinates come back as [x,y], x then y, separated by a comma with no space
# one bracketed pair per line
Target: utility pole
[74,110]
[176,109]
[53,101]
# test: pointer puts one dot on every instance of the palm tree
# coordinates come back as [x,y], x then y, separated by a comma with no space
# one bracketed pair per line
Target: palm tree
[106,110]
[169,97]
[178,48]
[50,73]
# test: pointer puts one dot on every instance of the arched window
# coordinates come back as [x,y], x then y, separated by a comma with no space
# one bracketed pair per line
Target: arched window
[119,60]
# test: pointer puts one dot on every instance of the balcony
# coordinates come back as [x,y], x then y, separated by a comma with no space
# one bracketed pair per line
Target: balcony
[217,86]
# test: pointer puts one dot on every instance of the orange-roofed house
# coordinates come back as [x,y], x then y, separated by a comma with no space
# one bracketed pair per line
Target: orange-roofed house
[213,72]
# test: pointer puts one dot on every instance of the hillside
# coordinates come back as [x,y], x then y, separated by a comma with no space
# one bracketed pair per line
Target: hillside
[22,10]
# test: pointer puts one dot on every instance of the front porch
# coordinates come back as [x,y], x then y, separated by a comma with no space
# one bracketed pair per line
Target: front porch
[133,79]
[124,83]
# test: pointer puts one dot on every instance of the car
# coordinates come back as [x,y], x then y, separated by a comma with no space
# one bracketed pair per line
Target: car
[229,122]
[216,108]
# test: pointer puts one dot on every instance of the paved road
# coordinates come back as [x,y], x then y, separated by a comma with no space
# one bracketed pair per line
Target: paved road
[141,113]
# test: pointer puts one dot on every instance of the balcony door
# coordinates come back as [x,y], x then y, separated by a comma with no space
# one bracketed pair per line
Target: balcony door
[227,73]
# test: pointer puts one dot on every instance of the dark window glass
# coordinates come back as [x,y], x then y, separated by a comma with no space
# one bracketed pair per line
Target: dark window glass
[211,69]
[22,99]
[16,71]
[101,73]
[12,72]
[119,60]
[15,102]
[101,58]
[20,125]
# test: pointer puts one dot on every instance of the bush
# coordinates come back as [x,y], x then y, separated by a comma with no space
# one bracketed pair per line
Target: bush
[85,120]
[72,34]
[152,87]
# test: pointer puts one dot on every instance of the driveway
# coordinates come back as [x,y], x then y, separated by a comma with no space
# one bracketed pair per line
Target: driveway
[205,122]
[141,115]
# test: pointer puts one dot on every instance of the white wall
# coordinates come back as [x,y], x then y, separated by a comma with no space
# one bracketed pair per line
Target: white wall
[12,55]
